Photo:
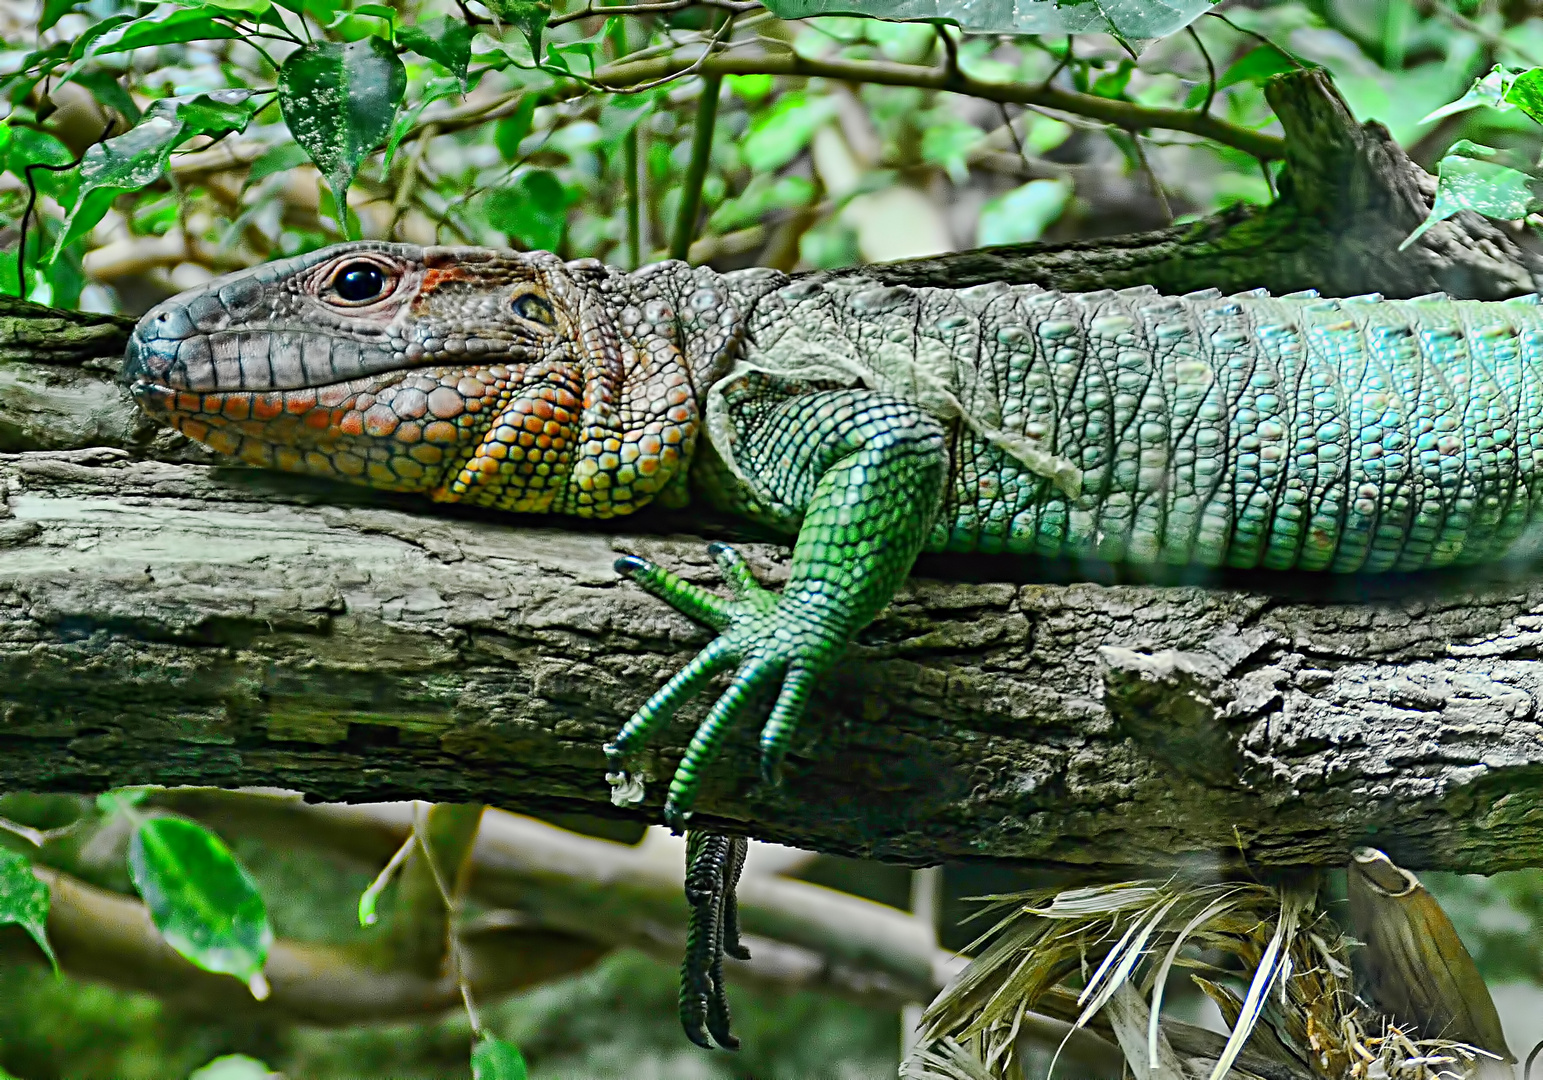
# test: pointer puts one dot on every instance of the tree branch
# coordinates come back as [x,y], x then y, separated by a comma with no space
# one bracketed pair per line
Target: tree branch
[174,623]
[1124,114]
[184,624]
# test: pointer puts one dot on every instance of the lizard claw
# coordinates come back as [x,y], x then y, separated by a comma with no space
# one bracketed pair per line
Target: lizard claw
[770,640]
[713,865]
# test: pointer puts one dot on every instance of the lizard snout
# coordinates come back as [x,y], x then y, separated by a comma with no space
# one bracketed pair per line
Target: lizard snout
[154,345]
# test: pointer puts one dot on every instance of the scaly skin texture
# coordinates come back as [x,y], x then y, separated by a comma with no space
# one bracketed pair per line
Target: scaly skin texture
[872,423]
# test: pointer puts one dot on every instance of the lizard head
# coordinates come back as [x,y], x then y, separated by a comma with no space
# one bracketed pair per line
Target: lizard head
[466,373]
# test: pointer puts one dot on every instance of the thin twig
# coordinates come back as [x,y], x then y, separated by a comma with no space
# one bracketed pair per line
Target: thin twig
[1007,122]
[1146,167]
[1066,58]
[32,198]
[1210,70]
[1256,34]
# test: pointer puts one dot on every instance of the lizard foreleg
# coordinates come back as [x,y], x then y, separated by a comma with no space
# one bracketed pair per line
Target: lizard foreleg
[865,473]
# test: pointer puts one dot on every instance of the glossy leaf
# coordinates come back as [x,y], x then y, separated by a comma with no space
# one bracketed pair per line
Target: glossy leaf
[494,1059]
[53,11]
[444,40]
[201,899]
[138,157]
[533,210]
[29,146]
[249,7]
[1469,178]
[168,24]
[339,102]
[1526,93]
[1130,20]
[529,17]
[1488,90]
[24,899]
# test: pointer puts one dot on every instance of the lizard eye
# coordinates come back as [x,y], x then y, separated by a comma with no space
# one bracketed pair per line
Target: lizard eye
[534,308]
[359,282]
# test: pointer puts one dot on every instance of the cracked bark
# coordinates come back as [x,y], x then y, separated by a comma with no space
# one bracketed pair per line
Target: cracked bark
[167,620]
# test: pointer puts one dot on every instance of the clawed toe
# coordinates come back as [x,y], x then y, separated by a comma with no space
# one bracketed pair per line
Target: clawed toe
[713,866]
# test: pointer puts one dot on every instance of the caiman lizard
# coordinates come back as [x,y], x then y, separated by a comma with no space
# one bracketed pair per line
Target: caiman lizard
[871,422]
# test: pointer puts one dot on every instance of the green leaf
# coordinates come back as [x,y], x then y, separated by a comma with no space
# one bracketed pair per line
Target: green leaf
[1023,214]
[529,17]
[749,88]
[377,11]
[1254,66]
[53,11]
[1467,181]
[339,102]
[761,196]
[444,40]
[138,157]
[1112,84]
[511,130]
[1487,90]
[107,90]
[248,7]
[949,144]
[201,899]
[281,158]
[780,134]
[1526,93]
[533,210]
[620,115]
[1131,20]
[168,24]
[494,1059]
[123,800]
[234,1067]
[436,89]
[323,11]
[24,900]
[29,146]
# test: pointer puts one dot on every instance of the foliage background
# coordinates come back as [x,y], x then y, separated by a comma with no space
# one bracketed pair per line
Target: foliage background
[802,174]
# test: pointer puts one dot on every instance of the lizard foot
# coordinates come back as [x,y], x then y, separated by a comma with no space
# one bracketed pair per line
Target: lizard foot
[770,638]
[713,865]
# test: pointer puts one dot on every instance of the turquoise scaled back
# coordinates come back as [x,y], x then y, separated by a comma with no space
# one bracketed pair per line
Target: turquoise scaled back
[1356,435]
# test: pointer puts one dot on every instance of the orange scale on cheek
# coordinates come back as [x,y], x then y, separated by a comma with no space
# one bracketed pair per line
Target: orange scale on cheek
[351,424]
[409,432]
[318,419]
[267,406]
[299,401]
[236,407]
[189,403]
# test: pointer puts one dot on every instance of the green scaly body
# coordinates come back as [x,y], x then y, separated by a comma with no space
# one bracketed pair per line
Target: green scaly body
[872,423]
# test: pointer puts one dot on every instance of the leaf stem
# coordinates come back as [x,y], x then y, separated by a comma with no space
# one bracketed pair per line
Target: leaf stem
[696,171]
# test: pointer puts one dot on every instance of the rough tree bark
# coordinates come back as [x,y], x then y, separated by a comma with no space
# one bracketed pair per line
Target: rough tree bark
[166,620]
